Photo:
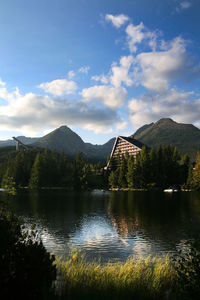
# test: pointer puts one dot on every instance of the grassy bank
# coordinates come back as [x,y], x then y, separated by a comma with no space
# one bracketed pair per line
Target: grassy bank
[150,278]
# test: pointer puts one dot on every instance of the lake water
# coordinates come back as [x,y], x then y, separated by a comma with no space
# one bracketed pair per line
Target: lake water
[110,225]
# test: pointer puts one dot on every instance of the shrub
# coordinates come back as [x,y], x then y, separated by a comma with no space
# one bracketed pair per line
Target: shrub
[187,266]
[26,268]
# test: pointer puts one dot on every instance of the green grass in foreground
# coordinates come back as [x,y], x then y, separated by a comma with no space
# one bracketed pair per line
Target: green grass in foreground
[150,278]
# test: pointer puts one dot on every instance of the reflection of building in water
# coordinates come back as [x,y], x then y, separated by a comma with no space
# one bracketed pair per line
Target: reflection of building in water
[125,226]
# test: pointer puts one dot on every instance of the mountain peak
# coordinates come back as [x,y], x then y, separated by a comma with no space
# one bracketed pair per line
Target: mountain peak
[64,128]
[165,121]
[185,137]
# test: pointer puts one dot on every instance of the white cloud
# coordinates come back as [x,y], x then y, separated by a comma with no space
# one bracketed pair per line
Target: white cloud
[122,125]
[71,74]
[84,70]
[156,70]
[183,5]
[197,124]
[98,128]
[110,96]
[118,20]
[136,34]
[2,83]
[31,113]
[180,106]
[120,74]
[9,97]
[59,87]
[102,78]
[102,128]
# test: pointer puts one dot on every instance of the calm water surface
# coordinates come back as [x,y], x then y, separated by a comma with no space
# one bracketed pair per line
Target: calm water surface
[110,225]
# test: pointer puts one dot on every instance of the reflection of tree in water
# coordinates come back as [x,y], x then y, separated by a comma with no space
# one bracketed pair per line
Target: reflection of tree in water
[195,198]
[58,207]
[151,217]
[157,216]
[59,211]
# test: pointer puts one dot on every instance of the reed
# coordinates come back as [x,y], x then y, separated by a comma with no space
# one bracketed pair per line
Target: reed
[149,278]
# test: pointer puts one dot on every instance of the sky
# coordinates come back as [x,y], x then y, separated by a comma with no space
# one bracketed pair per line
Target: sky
[102,67]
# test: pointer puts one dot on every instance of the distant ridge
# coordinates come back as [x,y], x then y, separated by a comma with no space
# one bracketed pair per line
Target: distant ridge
[25,140]
[63,138]
[186,137]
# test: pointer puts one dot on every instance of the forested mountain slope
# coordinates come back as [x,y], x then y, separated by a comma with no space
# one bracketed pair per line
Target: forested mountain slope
[186,137]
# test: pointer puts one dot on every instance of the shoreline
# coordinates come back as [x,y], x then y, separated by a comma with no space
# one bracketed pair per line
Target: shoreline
[99,189]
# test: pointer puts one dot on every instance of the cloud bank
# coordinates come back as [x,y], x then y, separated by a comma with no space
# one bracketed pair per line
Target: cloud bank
[108,95]
[181,106]
[31,112]
[156,68]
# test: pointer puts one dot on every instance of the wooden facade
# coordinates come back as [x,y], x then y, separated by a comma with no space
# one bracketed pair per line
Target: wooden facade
[121,146]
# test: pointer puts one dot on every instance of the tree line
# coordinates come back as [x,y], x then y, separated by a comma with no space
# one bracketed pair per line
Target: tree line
[159,167]
[45,168]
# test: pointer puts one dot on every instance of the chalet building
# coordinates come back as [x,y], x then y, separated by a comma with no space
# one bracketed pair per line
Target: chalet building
[122,145]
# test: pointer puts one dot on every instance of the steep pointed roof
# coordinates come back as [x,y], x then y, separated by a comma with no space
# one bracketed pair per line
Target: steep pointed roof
[133,141]
[130,140]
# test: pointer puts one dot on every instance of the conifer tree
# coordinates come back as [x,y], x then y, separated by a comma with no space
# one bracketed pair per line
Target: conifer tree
[8,182]
[159,166]
[113,178]
[130,172]
[153,169]
[196,173]
[189,182]
[37,177]
[18,168]
[78,172]
[184,169]
[64,170]
[122,172]
[49,168]
[143,167]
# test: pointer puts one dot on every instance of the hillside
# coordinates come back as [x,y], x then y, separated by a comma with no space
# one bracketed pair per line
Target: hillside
[101,152]
[186,137]
[5,151]
[63,138]
[25,140]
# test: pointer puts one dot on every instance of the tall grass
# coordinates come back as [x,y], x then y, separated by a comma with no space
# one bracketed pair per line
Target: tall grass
[149,278]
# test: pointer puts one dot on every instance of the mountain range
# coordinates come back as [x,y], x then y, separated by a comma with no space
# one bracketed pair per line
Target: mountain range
[66,139]
[25,140]
[186,137]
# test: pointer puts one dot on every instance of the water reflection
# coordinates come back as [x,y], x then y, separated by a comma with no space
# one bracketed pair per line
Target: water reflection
[111,225]
[157,222]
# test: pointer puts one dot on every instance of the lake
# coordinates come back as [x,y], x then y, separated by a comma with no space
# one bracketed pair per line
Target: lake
[110,225]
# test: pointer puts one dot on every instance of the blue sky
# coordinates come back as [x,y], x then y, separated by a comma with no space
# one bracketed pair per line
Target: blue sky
[101,67]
